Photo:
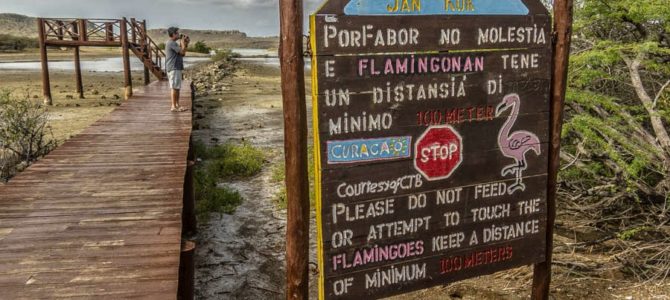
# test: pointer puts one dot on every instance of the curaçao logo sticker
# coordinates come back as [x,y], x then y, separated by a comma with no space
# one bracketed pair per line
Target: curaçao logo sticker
[351,151]
[435,7]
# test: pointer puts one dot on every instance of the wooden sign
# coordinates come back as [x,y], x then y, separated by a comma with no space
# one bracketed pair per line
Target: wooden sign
[431,129]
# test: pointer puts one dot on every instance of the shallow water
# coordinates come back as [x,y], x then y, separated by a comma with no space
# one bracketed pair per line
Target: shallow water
[264,57]
[246,52]
[110,64]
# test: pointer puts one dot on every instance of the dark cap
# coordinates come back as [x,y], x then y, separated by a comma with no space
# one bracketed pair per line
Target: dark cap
[172,30]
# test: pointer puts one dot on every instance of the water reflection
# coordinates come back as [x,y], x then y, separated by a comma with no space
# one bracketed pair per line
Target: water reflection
[110,64]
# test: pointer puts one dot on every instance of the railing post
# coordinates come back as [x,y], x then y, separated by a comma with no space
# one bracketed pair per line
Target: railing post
[46,85]
[126,60]
[146,47]
[60,32]
[83,34]
[109,31]
[133,32]
[561,56]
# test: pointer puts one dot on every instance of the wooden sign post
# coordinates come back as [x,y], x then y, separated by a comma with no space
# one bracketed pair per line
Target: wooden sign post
[432,128]
[295,148]
[562,39]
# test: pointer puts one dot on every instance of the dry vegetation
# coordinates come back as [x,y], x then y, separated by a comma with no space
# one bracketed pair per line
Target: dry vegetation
[218,39]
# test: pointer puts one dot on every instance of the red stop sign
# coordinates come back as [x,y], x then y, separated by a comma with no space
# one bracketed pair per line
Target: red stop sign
[438,152]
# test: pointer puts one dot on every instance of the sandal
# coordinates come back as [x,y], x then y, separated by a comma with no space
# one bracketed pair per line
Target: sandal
[182,109]
[174,109]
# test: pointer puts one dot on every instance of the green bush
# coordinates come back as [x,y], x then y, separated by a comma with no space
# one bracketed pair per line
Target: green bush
[10,43]
[226,55]
[200,47]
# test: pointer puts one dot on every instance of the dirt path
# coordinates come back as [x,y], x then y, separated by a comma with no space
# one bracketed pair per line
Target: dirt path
[241,256]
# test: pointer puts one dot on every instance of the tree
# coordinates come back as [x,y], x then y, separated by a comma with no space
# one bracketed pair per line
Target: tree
[616,142]
[201,47]
[618,94]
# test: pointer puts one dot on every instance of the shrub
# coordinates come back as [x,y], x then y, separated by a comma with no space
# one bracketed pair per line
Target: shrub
[200,47]
[10,43]
[226,55]
[24,134]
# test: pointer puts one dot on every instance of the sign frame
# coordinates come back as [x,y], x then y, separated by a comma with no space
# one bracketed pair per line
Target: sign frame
[559,60]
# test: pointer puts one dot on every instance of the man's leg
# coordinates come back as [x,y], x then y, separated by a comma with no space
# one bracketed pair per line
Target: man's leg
[177,86]
[175,98]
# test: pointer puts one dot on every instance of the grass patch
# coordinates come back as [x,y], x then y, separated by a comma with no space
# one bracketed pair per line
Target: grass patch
[231,160]
[279,176]
[221,162]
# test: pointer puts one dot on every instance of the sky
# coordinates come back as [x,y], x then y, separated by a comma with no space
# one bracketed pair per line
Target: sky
[255,17]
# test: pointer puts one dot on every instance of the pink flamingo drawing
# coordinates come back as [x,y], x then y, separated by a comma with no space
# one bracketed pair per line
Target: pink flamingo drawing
[516,144]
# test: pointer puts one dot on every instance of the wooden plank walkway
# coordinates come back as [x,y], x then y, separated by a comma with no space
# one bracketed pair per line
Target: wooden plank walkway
[100,217]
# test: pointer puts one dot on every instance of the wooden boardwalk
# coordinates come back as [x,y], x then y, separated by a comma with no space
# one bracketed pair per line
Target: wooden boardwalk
[100,217]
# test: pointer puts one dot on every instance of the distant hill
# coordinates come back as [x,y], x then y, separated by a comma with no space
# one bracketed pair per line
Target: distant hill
[18,25]
[220,38]
[25,26]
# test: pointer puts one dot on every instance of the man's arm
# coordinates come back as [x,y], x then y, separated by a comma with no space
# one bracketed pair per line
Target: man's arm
[183,43]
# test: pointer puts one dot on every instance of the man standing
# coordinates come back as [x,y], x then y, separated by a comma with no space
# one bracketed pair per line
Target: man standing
[174,63]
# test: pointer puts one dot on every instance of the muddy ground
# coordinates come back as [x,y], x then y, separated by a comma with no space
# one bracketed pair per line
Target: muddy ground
[241,256]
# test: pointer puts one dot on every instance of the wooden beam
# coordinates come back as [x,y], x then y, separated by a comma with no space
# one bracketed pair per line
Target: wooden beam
[188,218]
[60,32]
[83,34]
[295,148]
[147,52]
[77,64]
[109,31]
[126,60]
[562,39]
[133,32]
[77,73]
[46,85]
[186,287]
[64,43]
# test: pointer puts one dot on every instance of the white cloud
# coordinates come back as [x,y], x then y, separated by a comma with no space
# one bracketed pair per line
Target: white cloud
[256,17]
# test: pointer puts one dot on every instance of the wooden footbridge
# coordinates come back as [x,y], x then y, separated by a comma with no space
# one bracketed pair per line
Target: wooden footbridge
[131,35]
[102,216]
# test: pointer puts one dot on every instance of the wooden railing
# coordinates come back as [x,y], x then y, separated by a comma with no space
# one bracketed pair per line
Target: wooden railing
[140,37]
[100,32]
[82,32]
[131,36]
